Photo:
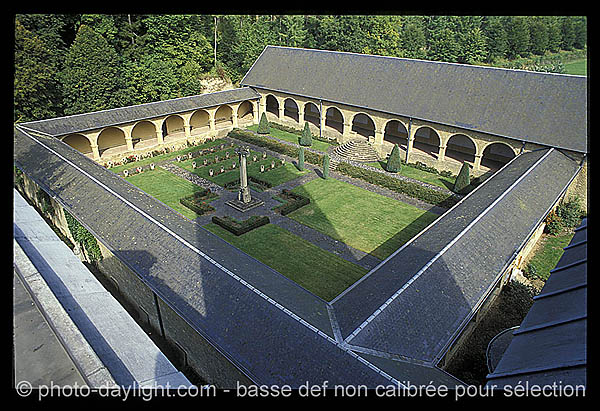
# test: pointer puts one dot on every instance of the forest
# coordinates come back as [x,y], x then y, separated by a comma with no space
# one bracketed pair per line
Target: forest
[66,64]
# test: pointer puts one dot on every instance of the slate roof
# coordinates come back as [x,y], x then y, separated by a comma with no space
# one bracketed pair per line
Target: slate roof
[543,108]
[82,122]
[550,346]
[266,325]
[417,301]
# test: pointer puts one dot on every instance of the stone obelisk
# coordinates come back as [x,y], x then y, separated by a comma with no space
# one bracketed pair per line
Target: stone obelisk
[244,201]
[244,193]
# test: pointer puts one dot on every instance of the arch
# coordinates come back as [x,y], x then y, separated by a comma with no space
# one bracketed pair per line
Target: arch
[245,112]
[79,142]
[395,133]
[496,154]
[272,105]
[427,140]
[363,124]
[223,117]
[290,109]
[111,140]
[144,134]
[312,114]
[334,119]
[461,148]
[200,122]
[173,126]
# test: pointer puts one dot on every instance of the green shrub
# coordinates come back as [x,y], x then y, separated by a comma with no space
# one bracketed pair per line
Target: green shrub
[325,166]
[570,212]
[286,149]
[301,159]
[463,180]
[84,237]
[240,227]
[530,272]
[405,187]
[394,162]
[197,201]
[263,125]
[306,137]
[293,201]
[554,224]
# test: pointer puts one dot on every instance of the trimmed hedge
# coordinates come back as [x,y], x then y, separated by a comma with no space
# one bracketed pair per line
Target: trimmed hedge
[240,227]
[286,149]
[197,201]
[294,202]
[405,187]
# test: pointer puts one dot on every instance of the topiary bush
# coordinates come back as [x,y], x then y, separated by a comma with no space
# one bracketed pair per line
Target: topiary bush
[326,166]
[394,162]
[463,179]
[263,125]
[301,159]
[306,137]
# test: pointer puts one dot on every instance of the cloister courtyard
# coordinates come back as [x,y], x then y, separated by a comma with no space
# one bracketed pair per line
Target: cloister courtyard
[347,229]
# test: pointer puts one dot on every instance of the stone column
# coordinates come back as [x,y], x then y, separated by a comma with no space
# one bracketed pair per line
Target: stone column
[409,145]
[244,193]
[234,118]
[301,115]
[477,164]
[95,151]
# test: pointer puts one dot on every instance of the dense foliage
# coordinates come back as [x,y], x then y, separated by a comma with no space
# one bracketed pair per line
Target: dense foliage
[73,63]
[394,163]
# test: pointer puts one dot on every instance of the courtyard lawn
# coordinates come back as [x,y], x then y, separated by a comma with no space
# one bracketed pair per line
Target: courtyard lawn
[166,188]
[359,218]
[319,271]
[420,175]
[293,138]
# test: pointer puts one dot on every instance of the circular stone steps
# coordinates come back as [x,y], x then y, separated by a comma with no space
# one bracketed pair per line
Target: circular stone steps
[360,151]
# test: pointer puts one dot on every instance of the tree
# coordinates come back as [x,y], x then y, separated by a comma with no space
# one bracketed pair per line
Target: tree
[301,159]
[36,92]
[394,162]
[326,166]
[463,179]
[496,38]
[306,137]
[517,31]
[413,39]
[538,35]
[263,125]
[90,78]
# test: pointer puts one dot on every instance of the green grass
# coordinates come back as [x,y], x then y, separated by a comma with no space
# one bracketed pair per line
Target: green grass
[319,271]
[576,67]
[547,256]
[420,175]
[166,188]
[361,219]
[293,138]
